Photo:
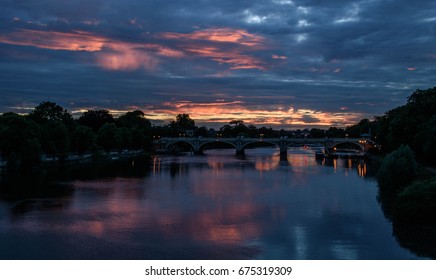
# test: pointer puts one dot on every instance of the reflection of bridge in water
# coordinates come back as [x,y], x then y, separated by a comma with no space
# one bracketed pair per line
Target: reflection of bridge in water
[330,146]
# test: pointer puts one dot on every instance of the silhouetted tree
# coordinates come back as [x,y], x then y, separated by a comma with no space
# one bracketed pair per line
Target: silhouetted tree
[398,170]
[56,141]
[202,131]
[84,139]
[317,133]
[95,119]
[411,124]
[50,111]
[140,139]
[108,137]
[365,126]
[334,132]
[124,137]
[19,140]
[416,204]
[184,121]
[267,132]
[134,119]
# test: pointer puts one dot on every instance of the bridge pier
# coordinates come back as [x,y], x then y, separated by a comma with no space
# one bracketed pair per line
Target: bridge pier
[197,148]
[240,148]
[283,150]
[198,152]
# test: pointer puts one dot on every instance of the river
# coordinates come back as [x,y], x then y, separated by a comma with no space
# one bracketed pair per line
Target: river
[215,206]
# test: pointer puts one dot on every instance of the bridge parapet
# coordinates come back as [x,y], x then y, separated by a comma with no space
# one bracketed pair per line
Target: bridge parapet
[239,143]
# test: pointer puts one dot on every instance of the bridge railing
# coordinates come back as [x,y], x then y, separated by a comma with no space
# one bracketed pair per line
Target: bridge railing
[262,138]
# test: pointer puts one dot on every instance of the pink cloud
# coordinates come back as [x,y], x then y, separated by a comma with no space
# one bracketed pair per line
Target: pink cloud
[223,35]
[53,40]
[110,54]
[231,47]
[223,45]
[127,60]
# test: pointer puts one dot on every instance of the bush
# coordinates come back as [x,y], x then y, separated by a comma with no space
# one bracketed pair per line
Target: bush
[416,204]
[398,170]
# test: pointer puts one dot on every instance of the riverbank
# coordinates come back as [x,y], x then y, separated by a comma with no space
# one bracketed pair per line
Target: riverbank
[407,194]
[76,159]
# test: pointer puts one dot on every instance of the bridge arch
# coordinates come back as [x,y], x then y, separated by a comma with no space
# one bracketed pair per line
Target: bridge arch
[170,146]
[297,143]
[262,143]
[216,143]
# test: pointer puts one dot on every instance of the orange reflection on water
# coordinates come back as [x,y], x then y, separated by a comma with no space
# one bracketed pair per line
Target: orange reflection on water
[94,228]
[227,224]
[156,165]
[228,233]
[267,163]
[303,159]
[216,167]
[361,169]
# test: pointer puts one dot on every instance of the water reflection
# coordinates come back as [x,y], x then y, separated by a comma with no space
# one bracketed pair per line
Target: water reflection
[361,169]
[205,207]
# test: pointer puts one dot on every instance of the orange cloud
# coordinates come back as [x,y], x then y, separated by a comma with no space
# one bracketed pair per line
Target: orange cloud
[223,45]
[223,112]
[238,60]
[120,55]
[223,35]
[80,41]
[127,60]
[110,54]
[53,40]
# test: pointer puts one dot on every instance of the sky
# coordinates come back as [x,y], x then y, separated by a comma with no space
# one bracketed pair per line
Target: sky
[280,63]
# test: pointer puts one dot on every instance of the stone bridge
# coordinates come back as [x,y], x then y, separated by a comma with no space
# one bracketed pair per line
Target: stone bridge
[240,144]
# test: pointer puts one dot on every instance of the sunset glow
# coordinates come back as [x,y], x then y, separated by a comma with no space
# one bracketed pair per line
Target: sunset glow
[285,64]
[223,112]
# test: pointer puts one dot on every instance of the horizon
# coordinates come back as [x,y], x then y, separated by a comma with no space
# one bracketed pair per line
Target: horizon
[285,64]
[209,125]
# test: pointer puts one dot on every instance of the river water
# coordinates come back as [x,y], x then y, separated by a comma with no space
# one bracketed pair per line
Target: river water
[216,206]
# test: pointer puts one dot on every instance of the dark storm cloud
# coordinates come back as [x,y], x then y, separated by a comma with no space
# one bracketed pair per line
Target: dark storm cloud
[335,57]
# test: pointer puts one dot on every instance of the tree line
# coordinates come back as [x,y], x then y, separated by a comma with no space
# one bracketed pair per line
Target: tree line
[51,130]
[407,189]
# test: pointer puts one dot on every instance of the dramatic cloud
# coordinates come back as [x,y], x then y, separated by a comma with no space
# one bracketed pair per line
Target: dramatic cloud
[279,62]
[122,55]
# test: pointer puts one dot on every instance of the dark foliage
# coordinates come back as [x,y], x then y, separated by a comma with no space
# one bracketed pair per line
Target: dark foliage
[95,119]
[413,124]
[416,204]
[398,170]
